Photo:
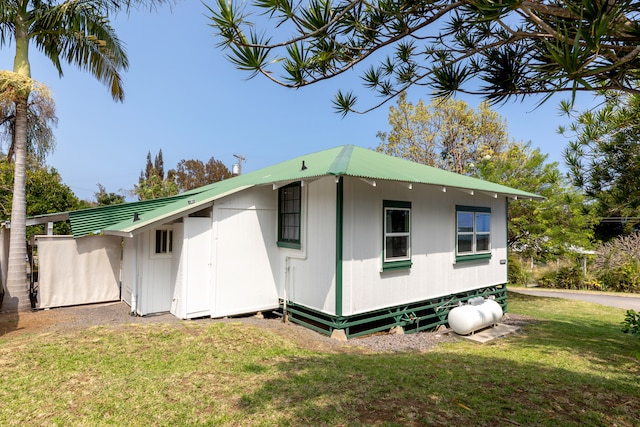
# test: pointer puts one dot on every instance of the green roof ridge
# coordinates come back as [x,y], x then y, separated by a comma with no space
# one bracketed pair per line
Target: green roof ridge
[341,163]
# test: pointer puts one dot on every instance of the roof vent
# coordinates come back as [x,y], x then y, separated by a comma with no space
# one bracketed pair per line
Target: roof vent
[304,167]
[136,217]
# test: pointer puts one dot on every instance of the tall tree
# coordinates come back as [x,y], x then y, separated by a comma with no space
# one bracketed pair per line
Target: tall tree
[498,49]
[540,229]
[105,199]
[46,193]
[152,183]
[158,164]
[446,133]
[78,33]
[450,135]
[190,174]
[603,156]
[41,117]
[155,167]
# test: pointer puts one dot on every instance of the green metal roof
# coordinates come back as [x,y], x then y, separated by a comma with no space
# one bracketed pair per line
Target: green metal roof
[345,160]
[96,220]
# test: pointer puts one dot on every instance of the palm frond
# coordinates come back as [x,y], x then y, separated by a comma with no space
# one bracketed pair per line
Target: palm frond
[79,34]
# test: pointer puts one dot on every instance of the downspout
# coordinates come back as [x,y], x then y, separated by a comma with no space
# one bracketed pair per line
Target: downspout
[339,229]
[134,286]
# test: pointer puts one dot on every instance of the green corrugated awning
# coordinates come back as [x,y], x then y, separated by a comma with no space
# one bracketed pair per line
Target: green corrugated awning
[95,220]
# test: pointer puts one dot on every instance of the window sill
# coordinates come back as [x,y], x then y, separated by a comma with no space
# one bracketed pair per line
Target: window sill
[289,245]
[472,257]
[396,265]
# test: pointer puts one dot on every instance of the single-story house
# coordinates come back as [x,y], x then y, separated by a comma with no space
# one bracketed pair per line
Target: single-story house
[346,239]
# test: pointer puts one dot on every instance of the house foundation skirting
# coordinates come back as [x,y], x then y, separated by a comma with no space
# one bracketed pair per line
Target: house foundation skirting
[413,317]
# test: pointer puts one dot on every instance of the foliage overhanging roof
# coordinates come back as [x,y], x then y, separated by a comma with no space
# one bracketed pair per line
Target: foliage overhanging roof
[347,160]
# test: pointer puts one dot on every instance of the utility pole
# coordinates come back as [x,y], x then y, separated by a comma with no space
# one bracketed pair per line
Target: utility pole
[237,168]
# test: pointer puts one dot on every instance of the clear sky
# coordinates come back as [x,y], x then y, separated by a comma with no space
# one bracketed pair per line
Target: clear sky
[184,97]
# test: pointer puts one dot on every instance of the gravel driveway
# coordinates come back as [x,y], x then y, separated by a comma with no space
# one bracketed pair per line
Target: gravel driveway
[114,314]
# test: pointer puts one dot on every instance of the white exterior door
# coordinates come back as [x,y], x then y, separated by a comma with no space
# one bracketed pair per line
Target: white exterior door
[197,243]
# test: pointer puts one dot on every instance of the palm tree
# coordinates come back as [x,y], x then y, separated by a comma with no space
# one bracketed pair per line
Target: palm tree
[79,33]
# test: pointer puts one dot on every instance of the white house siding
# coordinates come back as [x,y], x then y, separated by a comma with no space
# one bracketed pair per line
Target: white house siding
[310,278]
[128,268]
[245,261]
[178,265]
[434,272]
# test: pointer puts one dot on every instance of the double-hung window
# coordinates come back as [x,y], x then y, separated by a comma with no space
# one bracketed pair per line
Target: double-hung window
[396,252]
[473,233]
[289,208]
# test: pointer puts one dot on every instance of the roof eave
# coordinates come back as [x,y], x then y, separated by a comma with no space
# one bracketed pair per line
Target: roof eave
[191,207]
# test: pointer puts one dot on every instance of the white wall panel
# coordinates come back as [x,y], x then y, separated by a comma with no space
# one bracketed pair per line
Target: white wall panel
[78,271]
[178,267]
[128,268]
[311,274]
[434,272]
[244,253]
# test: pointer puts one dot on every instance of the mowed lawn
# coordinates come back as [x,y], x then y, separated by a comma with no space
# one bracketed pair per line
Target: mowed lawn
[572,366]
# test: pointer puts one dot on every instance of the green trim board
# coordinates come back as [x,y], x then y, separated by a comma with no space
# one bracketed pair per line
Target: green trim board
[412,317]
[339,242]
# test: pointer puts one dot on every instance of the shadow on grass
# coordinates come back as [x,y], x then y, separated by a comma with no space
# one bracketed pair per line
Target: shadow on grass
[8,323]
[440,388]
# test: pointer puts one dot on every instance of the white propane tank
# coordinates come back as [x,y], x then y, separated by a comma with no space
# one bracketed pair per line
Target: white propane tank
[469,318]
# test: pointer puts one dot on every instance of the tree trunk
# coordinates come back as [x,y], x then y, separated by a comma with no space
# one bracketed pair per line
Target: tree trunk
[17,292]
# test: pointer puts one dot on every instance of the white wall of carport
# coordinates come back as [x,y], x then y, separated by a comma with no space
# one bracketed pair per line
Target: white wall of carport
[434,272]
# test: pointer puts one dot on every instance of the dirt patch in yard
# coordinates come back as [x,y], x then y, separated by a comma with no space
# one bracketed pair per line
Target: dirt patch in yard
[118,313]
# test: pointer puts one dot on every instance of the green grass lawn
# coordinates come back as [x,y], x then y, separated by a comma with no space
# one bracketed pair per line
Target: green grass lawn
[572,366]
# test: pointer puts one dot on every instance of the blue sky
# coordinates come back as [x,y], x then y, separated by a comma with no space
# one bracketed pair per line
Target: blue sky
[184,97]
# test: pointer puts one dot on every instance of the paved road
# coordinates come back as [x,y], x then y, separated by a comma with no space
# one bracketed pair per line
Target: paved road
[626,301]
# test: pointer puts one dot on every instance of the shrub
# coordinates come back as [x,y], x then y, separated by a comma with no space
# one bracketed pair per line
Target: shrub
[517,273]
[569,277]
[631,324]
[618,264]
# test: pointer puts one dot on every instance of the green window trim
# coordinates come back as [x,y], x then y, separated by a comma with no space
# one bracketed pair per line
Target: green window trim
[480,217]
[397,265]
[473,257]
[290,216]
[396,235]
[288,245]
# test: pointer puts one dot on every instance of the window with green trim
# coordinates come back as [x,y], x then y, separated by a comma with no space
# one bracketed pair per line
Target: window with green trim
[289,208]
[473,232]
[396,252]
